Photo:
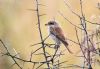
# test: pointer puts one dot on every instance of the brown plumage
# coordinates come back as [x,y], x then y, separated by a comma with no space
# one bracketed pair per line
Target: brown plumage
[57,34]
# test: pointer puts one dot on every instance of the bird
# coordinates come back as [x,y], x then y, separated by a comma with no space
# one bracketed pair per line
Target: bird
[56,33]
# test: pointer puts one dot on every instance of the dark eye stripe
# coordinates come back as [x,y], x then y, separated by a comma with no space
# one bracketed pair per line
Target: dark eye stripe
[51,23]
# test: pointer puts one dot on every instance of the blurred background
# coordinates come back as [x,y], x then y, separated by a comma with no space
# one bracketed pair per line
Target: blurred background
[19,29]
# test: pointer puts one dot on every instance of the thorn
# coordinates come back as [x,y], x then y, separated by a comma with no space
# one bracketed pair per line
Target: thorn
[42,14]
[32,9]
[41,4]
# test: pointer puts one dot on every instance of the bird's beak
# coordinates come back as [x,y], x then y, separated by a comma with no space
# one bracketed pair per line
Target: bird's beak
[46,24]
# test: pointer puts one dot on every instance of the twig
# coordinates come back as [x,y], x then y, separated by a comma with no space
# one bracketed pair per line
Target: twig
[8,53]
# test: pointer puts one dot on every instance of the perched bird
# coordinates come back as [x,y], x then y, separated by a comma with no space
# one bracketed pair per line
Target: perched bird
[57,34]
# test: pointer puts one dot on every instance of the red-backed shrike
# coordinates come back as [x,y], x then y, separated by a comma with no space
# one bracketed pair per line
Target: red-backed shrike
[57,34]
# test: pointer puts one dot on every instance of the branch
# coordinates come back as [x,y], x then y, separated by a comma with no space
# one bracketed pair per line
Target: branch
[39,27]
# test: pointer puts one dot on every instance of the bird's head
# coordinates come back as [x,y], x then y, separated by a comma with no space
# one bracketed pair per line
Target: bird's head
[52,24]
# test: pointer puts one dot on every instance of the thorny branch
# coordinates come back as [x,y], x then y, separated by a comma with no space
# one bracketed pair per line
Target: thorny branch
[70,8]
[39,26]
[86,46]
[8,53]
[48,62]
[83,23]
[53,61]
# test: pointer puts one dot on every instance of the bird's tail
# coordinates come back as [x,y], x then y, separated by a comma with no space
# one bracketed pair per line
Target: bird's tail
[66,45]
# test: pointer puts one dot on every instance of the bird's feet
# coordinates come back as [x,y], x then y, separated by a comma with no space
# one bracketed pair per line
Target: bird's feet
[57,46]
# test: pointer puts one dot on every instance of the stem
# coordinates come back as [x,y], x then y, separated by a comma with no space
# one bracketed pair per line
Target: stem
[39,27]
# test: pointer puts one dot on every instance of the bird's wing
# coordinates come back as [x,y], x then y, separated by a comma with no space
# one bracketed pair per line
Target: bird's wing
[57,32]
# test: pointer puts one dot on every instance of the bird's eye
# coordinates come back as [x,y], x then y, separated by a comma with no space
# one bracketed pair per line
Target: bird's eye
[51,23]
